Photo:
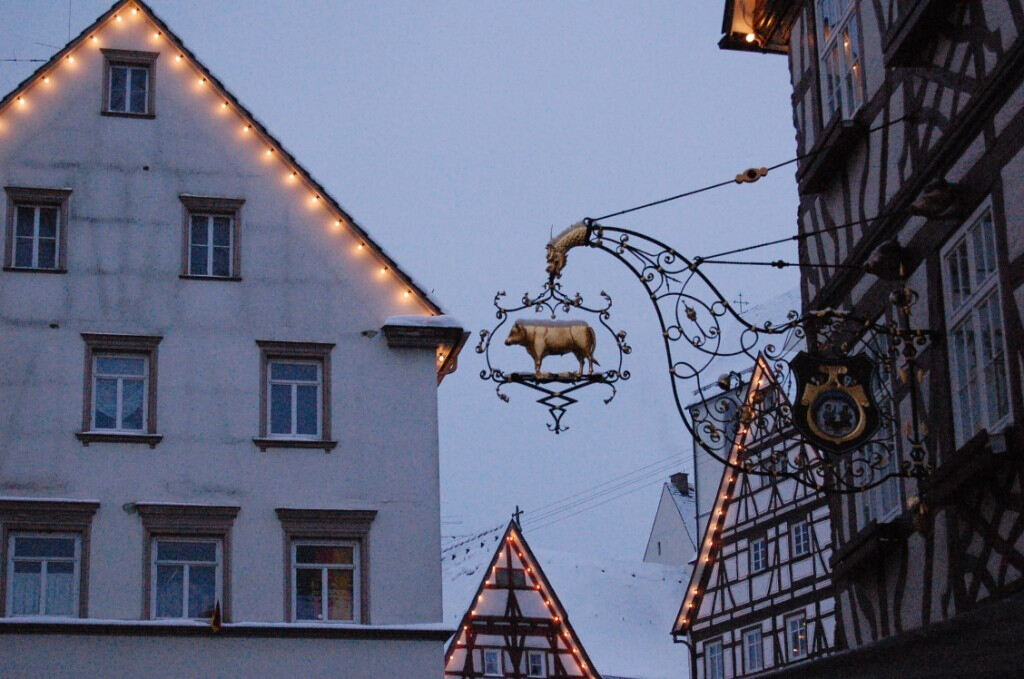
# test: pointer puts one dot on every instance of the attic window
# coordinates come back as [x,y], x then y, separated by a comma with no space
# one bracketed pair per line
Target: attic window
[514,577]
[128,83]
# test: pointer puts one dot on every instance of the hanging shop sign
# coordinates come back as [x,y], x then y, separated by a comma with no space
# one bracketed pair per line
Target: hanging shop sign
[834,408]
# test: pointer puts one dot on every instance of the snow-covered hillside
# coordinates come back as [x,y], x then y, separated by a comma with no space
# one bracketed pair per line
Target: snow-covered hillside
[621,610]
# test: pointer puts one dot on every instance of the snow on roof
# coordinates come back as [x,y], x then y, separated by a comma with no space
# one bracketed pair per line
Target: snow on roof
[442,321]
[687,506]
[621,610]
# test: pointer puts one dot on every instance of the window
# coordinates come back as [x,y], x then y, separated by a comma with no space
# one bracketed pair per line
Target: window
[327,564]
[188,550]
[211,237]
[514,578]
[44,574]
[120,388]
[128,83]
[753,650]
[881,502]
[46,552]
[492,662]
[800,535]
[839,40]
[714,663]
[974,321]
[36,233]
[295,395]
[535,664]
[188,578]
[758,555]
[796,636]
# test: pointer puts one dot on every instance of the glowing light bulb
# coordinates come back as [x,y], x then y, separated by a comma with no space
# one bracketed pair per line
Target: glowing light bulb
[135,10]
[46,79]
[383,270]
[71,59]
[361,246]
[179,58]
[156,36]
[751,37]
[202,81]
[93,38]
[21,100]
[117,17]
[270,152]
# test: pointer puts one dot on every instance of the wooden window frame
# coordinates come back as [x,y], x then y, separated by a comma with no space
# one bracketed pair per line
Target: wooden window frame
[342,525]
[760,538]
[295,351]
[58,517]
[217,207]
[543,664]
[846,111]
[295,543]
[967,313]
[792,539]
[501,662]
[37,197]
[218,565]
[187,522]
[792,656]
[130,58]
[141,345]
[719,642]
[743,641]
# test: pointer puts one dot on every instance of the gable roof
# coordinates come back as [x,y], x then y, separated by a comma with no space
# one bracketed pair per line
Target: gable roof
[317,191]
[761,380]
[514,552]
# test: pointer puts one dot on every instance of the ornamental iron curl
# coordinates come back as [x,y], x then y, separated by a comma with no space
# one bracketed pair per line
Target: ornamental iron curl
[556,388]
[749,426]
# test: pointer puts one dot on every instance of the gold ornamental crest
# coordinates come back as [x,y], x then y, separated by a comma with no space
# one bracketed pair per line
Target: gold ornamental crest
[835,409]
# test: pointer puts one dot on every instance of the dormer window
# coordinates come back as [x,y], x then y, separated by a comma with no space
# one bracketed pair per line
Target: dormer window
[128,83]
[841,67]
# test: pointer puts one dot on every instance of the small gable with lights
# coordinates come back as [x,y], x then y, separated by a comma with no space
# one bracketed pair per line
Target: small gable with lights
[515,625]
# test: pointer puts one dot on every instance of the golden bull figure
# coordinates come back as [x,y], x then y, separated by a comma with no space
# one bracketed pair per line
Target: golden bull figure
[555,338]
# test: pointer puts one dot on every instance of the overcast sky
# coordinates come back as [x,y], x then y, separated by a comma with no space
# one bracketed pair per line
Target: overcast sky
[460,134]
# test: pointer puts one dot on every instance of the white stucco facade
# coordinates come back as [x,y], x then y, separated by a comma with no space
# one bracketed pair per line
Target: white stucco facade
[303,278]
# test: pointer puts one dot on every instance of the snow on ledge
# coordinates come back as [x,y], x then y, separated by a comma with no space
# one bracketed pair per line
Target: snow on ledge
[411,320]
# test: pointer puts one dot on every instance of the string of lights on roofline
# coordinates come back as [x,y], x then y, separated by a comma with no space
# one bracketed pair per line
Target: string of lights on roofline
[548,598]
[249,128]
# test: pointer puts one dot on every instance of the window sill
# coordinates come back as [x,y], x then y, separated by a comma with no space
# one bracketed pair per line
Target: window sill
[969,463]
[905,41]
[193,277]
[87,437]
[865,546]
[264,443]
[838,137]
[120,114]
[26,269]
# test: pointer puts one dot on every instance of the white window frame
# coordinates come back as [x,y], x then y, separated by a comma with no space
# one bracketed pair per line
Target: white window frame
[542,657]
[497,655]
[76,575]
[324,568]
[796,633]
[966,312]
[129,77]
[218,595]
[756,546]
[36,208]
[840,59]
[294,384]
[800,539]
[210,217]
[714,660]
[119,414]
[749,645]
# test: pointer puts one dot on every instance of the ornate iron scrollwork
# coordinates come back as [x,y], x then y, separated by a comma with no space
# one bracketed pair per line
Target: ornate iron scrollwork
[749,424]
[558,389]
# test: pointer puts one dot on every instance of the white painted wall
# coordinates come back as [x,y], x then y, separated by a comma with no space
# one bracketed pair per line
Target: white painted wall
[302,281]
[670,532]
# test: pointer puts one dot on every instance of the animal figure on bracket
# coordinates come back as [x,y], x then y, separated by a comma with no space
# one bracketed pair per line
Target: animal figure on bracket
[555,338]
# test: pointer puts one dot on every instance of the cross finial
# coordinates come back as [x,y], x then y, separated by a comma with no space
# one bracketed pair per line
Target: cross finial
[516,514]
[740,303]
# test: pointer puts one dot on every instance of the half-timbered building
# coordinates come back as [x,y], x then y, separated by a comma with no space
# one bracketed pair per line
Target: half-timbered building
[909,120]
[515,625]
[760,594]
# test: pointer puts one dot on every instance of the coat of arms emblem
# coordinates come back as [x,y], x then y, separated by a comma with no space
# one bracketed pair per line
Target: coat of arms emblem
[834,408]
